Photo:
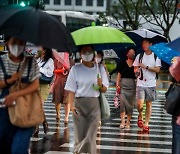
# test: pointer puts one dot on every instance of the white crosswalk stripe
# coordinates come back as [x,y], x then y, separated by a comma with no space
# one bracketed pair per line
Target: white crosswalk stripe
[110,139]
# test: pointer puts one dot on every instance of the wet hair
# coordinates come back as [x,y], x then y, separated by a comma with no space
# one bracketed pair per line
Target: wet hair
[48,54]
[148,40]
[82,46]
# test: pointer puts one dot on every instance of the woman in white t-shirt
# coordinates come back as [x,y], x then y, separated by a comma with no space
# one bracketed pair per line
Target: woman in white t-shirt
[86,110]
[46,68]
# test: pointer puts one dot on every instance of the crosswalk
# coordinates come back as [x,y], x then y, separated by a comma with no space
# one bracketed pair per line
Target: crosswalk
[110,138]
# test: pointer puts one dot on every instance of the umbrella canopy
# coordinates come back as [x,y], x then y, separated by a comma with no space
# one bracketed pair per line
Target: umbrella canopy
[102,38]
[138,35]
[63,58]
[167,52]
[35,26]
[110,54]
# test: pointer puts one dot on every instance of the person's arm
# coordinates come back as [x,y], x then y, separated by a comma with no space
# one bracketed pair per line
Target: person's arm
[118,79]
[70,99]
[30,89]
[152,69]
[103,89]
[103,82]
[9,81]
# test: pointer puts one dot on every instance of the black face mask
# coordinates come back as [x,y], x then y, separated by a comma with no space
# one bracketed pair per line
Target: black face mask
[132,57]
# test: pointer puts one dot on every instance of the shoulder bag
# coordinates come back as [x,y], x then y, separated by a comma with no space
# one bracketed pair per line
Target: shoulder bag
[104,105]
[172,104]
[28,110]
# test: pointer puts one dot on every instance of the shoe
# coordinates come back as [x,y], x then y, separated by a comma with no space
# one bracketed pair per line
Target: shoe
[127,125]
[140,123]
[122,126]
[66,122]
[146,129]
[46,129]
[57,119]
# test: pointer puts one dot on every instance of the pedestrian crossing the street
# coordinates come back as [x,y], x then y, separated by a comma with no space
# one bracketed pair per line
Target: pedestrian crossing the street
[110,138]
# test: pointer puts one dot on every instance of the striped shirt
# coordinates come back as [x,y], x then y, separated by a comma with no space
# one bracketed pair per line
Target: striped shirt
[12,67]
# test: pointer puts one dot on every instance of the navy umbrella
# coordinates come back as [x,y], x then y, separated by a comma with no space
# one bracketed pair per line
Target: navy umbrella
[167,52]
[138,35]
[35,26]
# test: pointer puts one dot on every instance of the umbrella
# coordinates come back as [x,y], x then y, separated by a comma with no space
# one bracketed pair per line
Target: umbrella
[102,38]
[63,58]
[138,35]
[110,54]
[35,26]
[167,52]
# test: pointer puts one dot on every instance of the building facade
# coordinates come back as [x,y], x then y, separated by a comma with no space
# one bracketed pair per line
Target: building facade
[88,6]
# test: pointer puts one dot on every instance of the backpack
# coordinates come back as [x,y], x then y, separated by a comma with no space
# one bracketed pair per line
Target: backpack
[140,61]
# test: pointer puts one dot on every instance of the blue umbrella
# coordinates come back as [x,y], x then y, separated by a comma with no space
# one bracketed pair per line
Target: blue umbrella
[167,52]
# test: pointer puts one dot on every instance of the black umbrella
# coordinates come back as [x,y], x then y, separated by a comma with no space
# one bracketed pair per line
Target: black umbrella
[138,35]
[35,26]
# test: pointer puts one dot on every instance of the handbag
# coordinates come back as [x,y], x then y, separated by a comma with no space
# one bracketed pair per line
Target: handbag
[28,110]
[43,78]
[104,106]
[172,103]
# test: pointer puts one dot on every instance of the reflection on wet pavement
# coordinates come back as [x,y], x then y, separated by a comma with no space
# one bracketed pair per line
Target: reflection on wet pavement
[110,139]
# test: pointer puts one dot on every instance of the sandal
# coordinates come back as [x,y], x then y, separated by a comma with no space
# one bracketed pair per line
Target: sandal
[140,123]
[122,126]
[146,128]
[66,122]
[127,125]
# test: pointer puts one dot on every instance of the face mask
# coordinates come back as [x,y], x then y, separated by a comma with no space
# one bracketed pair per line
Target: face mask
[98,60]
[132,57]
[16,50]
[87,57]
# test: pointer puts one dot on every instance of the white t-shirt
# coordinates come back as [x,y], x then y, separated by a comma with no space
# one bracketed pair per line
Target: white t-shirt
[81,80]
[48,68]
[149,77]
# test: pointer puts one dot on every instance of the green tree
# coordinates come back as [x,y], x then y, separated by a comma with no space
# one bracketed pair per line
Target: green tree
[163,14]
[129,11]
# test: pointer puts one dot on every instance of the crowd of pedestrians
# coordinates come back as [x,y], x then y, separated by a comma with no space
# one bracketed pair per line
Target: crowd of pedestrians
[78,88]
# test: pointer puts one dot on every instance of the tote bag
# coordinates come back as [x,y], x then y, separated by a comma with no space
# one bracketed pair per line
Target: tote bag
[28,110]
[104,105]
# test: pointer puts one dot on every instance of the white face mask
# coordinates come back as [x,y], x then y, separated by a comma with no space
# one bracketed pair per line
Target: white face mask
[98,60]
[16,50]
[87,57]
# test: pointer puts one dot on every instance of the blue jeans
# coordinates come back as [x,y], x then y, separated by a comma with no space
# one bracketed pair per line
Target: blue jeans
[13,140]
[176,137]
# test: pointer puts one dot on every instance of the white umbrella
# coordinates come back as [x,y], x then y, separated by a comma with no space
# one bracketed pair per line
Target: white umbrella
[145,33]
[109,54]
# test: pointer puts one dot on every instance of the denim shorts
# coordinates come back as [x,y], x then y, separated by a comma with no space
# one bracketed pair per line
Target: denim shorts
[146,93]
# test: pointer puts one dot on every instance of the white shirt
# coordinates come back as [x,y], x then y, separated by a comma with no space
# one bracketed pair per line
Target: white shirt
[81,80]
[149,77]
[48,68]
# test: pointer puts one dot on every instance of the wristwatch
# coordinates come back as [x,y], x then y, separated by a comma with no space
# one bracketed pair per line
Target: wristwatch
[147,67]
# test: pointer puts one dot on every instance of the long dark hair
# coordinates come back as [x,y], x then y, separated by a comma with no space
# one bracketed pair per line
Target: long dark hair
[48,54]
